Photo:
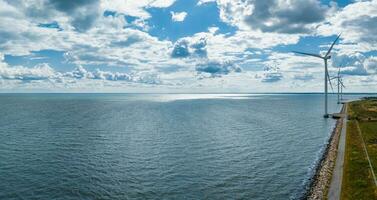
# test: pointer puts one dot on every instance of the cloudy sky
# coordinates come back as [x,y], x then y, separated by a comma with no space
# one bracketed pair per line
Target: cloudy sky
[184,45]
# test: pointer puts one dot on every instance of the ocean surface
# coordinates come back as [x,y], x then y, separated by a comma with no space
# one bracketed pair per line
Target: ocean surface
[160,146]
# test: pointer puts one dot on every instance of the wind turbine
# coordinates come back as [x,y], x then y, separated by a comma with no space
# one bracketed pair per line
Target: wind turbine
[327,77]
[339,84]
[341,88]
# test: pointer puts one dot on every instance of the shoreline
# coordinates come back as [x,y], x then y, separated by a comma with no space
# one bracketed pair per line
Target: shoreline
[319,183]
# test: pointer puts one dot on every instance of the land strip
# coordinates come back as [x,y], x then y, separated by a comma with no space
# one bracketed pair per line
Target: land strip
[361,151]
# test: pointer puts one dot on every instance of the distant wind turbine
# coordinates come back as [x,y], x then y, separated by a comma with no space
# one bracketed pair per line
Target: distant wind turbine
[341,88]
[340,84]
[327,77]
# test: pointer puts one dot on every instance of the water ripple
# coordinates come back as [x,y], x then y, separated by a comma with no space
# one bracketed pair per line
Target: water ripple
[159,147]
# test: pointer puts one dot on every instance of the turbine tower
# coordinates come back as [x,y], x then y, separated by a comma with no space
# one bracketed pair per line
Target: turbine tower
[327,77]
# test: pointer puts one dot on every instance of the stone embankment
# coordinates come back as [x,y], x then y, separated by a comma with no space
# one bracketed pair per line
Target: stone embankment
[320,183]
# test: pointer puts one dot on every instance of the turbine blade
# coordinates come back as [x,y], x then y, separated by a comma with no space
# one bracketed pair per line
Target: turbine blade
[308,54]
[328,77]
[329,51]
[332,78]
[341,83]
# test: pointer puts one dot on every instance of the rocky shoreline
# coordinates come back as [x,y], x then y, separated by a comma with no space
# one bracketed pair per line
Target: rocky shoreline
[320,182]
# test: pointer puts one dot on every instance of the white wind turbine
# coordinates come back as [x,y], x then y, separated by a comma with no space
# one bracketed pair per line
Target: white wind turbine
[341,88]
[340,85]
[327,77]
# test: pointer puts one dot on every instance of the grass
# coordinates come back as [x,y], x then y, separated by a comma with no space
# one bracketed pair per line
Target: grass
[369,130]
[357,178]
[363,109]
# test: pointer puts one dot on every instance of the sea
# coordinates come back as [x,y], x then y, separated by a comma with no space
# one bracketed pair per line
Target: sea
[161,146]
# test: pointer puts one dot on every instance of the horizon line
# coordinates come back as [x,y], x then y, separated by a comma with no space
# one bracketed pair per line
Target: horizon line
[344,93]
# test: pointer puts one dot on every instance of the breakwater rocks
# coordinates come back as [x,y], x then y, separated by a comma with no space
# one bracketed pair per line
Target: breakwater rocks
[320,183]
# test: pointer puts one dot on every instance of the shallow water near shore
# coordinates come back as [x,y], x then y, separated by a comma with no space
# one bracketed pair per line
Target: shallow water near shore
[160,146]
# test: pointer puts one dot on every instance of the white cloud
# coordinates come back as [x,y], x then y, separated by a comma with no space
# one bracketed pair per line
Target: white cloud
[234,47]
[279,16]
[19,35]
[213,30]
[110,41]
[217,69]
[161,3]
[201,2]
[371,65]
[106,43]
[136,77]
[357,22]
[39,72]
[135,8]
[43,72]
[178,16]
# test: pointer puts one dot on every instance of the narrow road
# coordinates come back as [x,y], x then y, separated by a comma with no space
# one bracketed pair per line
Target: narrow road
[336,180]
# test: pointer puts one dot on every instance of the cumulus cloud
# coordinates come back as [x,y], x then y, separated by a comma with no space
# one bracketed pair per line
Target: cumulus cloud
[180,49]
[136,77]
[135,8]
[40,72]
[371,65]
[185,47]
[201,2]
[19,35]
[272,74]
[111,76]
[108,43]
[43,72]
[82,13]
[352,65]
[357,22]
[199,47]
[148,78]
[132,39]
[217,69]
[232,47]
[178,16]
[79,73]
[116,46]
[282,16]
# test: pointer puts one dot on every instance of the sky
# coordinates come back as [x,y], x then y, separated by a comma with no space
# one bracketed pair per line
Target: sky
[185,46]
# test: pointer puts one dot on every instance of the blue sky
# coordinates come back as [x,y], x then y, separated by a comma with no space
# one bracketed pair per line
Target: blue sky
[184,45]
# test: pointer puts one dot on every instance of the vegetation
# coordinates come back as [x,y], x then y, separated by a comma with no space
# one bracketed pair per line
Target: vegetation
[364,109]
[358,181]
